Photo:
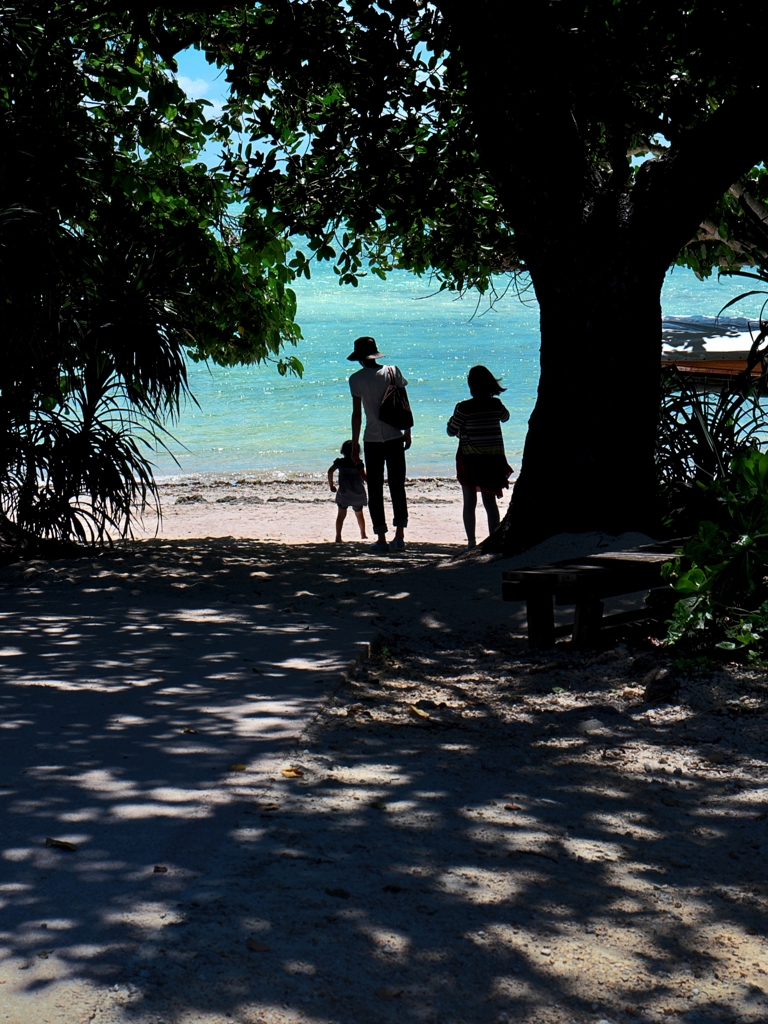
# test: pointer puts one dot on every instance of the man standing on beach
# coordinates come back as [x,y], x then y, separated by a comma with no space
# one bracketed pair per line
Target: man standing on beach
[384,444]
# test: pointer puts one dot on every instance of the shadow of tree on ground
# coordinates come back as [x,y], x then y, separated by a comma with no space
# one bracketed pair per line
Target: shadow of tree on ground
[458,843]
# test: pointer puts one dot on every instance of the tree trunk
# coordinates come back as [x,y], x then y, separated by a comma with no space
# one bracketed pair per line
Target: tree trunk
[597,243]
[588,462]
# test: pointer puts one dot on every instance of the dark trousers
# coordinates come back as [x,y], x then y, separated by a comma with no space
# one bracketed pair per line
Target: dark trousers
[377,455]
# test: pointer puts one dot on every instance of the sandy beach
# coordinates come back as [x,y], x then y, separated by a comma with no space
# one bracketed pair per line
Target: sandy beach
[266,781]
[296,510]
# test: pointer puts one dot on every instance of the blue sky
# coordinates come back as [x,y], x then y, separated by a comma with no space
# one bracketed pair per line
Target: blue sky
[201,80]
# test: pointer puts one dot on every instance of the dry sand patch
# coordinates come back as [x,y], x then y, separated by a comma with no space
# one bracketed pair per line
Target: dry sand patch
[295,510]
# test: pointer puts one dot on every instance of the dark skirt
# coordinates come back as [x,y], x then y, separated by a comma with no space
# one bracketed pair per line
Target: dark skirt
[489,473]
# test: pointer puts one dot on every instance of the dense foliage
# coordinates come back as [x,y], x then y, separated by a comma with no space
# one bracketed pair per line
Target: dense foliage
[365,126]
[722,574]
[119,257]
[409,133]
[704,424]
[714,483]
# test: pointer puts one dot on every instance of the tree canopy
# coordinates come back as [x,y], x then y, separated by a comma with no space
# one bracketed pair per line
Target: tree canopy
[466,143]
[121,256]
[411,133]
[460,143]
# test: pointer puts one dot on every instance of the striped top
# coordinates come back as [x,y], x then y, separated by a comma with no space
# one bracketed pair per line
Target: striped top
[477,424]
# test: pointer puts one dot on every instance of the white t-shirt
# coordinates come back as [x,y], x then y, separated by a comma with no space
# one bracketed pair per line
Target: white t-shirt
[370,384]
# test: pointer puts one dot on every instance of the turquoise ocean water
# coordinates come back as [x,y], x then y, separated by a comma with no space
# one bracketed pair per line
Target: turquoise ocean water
[251,420]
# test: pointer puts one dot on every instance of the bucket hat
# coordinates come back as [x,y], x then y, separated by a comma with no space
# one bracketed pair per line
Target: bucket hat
[365,348]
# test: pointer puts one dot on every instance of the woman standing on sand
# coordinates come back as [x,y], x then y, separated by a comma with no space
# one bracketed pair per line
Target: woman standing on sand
[384,444]
[481,464]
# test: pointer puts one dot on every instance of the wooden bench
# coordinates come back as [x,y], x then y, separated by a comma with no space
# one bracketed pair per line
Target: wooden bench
[585,582]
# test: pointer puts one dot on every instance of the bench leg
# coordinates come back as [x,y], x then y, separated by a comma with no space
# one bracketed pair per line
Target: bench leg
[587,622]
[541,620]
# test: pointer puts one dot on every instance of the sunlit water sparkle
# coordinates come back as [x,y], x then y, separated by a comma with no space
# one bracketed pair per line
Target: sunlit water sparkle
[252,421]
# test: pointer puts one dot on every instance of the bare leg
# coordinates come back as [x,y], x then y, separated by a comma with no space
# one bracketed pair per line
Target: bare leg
[361,523]
[470,504]
[492,511]
[340,517]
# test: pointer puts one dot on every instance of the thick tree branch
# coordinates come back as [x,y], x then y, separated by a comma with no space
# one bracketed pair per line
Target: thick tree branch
[710,232]
[652,147]
[757,206]
[529,140]
[670,193]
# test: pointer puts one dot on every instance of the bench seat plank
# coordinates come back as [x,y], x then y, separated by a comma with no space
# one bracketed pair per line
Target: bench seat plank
[631,558]
[583,582]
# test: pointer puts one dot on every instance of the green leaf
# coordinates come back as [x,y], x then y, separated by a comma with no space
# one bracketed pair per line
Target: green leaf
[691,581]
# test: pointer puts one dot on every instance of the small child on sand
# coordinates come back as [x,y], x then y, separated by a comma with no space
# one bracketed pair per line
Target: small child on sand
[351,490]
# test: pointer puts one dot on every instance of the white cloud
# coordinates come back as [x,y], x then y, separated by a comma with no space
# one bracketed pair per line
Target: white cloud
[195,88]
[203,89]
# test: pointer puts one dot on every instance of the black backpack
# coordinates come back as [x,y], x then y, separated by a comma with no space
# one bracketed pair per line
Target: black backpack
[395,409]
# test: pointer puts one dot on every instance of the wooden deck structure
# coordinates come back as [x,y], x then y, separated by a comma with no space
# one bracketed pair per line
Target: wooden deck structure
[711,351]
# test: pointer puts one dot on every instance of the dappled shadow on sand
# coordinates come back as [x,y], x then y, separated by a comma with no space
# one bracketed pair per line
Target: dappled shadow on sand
[131,685]
[494,861]
[500,859]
